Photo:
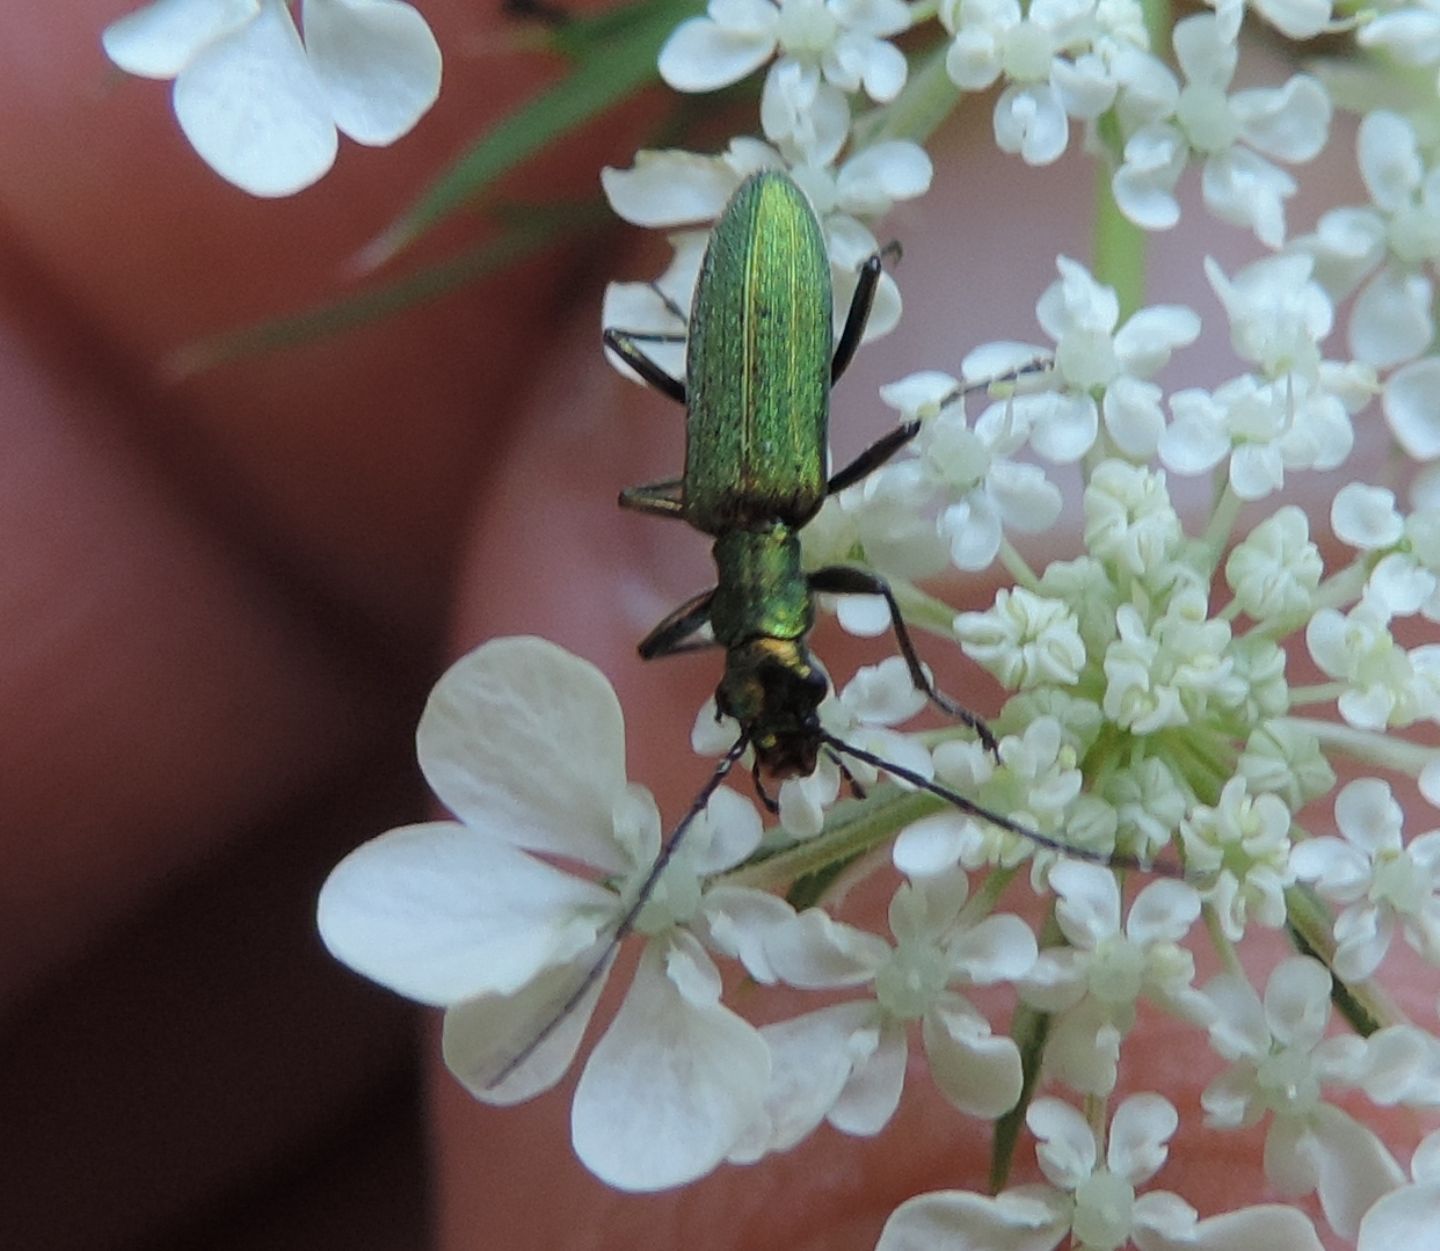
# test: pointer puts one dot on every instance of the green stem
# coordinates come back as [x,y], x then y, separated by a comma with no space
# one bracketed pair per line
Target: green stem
[1119,246]
[916,113]
[1309,922]
[852,830]
[1370,747]
[1319,693]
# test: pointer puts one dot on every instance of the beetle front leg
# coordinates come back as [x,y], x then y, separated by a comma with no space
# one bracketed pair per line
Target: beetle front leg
[846,580]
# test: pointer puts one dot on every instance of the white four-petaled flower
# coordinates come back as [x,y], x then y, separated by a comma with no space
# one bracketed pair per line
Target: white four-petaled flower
[261,107]
[524,743]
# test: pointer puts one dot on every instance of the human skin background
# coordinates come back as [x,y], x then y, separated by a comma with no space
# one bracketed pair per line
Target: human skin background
[223,600]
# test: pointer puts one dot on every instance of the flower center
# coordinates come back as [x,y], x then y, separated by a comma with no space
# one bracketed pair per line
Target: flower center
[674,901]
[1026,51]
[1287,1080]
[1117,970]
[1087,358]
[909,981]
[1204,114]
[807,26]
[1396,881]
[1104,1211]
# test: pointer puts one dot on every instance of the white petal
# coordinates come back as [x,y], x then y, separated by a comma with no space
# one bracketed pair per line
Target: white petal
[1140,1133]
[1133,416]
[670,188]
[1272,1226]
[525,741]
[1031,1218]
[1389,157]
[931,845]
[677,1080]
[1366,517]
[1066,1150]
[811,1060]
[1407,1217]
[1163,912]
[253,109]
[1297,1001]
[159,40]
[869,182]
[813,951]
[1246,190]
[738,921]
[1144,343]
[439,913]
[978,1072]
[1030,120]
[483,1037]
[1390,321]
[1289,123]
[701,55]
[1065,426]
[873,1092]
[377,63]
[998,949]
[1355,1169]
[1089,906]
[1412,407]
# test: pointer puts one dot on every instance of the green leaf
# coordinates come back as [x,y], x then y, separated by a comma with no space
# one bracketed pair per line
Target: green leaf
[615,56]
[532,229]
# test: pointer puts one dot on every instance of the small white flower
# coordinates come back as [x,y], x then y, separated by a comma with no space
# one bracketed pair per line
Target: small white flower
[1409,33]
[846,1064]
[1092,1200]
[1043,54]
[1129,520]
[967,476]
[1173,670]
[1093,985]
[1280,1060]
[1265,428]
[1244,841]
[260,107]
[1233,133]
[1387,246]
[1037,784]
[1093,361]
[1381,881]
[1386,684]
[1024,639]
[1284,758]
[843,39]
[1149,802]
[525,744]
[1275,570]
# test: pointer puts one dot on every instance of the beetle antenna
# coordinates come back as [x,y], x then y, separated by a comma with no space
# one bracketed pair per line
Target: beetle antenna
[626,924]
[1005,823]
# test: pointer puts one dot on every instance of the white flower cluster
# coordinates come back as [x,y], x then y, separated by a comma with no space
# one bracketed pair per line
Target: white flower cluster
[260,106]
[1153,715]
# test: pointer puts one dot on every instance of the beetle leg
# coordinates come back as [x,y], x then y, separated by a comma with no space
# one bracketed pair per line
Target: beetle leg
[873,457]
[847,580]
[670,635]
[855,319]
[660,499]
[624,345]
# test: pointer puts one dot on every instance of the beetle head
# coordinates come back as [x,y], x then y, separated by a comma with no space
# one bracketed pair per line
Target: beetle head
[773,688]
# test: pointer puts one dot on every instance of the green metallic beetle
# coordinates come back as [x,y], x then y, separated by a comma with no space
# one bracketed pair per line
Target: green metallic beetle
[759,370]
